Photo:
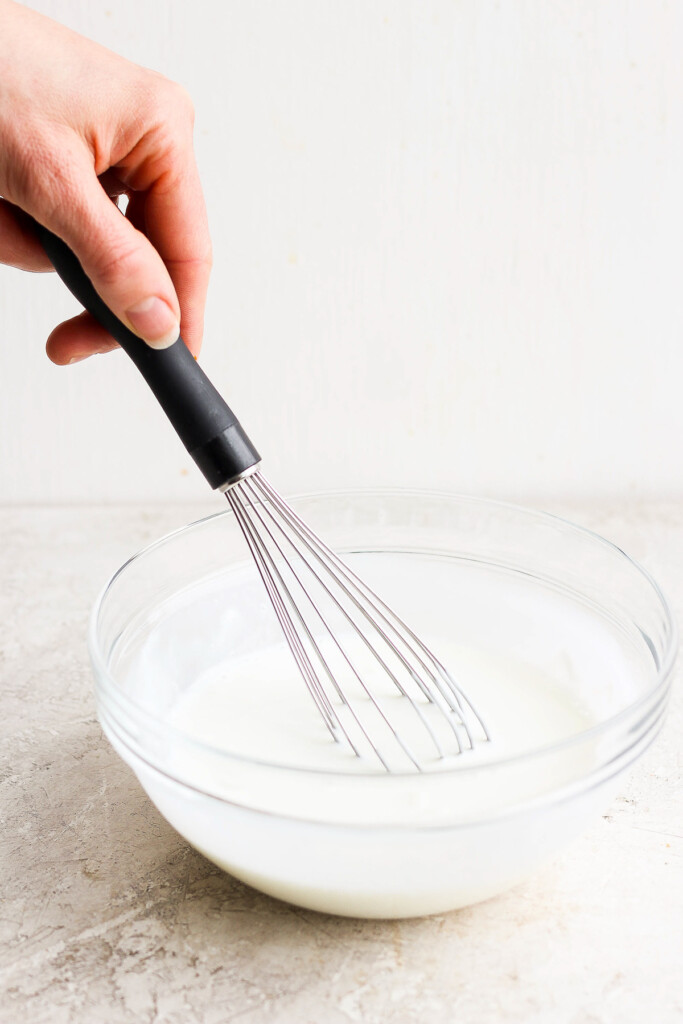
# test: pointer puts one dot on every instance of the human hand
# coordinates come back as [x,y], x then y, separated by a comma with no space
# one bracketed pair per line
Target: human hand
[72,112]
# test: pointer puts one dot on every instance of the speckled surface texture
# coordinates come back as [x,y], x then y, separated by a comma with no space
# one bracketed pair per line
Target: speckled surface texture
[108,916]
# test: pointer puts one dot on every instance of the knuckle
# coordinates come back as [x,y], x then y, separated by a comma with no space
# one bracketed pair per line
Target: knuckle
[182,100]
[166,99]
[198,266]
[202,254]
[115,261]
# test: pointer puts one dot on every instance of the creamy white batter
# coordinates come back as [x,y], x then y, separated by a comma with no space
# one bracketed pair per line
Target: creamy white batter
[538,667]
[267,794]
[258,707]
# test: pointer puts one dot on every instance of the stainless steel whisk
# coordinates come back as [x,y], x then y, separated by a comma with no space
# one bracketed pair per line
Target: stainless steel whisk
[358,659]
[330,619]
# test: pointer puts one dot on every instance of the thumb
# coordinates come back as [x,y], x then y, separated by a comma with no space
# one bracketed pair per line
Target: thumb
[125,269]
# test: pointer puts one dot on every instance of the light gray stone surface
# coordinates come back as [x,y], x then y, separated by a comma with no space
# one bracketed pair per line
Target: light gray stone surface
[108,916]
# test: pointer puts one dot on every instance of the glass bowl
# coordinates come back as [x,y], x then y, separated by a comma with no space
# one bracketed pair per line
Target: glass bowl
[524,587]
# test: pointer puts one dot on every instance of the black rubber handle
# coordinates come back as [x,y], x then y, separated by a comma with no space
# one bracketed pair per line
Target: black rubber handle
[204,422]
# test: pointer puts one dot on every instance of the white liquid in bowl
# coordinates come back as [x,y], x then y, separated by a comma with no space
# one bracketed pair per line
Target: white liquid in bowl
[250,776]
[258,707]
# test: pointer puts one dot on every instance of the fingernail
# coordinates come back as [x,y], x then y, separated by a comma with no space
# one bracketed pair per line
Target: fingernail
[154,320]
[77,359]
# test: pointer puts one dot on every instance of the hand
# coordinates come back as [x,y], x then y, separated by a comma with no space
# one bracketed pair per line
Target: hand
[72,112]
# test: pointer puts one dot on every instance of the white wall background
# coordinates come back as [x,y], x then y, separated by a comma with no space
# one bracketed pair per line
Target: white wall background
[447,253]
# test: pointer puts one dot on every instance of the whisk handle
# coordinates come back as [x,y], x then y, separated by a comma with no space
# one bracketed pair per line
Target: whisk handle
[204,422]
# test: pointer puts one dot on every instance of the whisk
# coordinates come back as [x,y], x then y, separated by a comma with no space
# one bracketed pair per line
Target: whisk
[363,666]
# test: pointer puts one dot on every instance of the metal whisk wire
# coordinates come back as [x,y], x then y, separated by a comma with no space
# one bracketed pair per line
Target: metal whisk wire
[300,574]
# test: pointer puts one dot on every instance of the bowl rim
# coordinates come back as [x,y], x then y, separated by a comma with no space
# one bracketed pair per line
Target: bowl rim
[106,681]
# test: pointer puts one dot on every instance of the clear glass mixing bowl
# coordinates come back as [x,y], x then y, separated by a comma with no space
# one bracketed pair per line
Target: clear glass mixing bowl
[368,844]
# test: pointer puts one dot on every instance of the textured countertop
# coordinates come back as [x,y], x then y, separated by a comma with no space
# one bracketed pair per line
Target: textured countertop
[107,915]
